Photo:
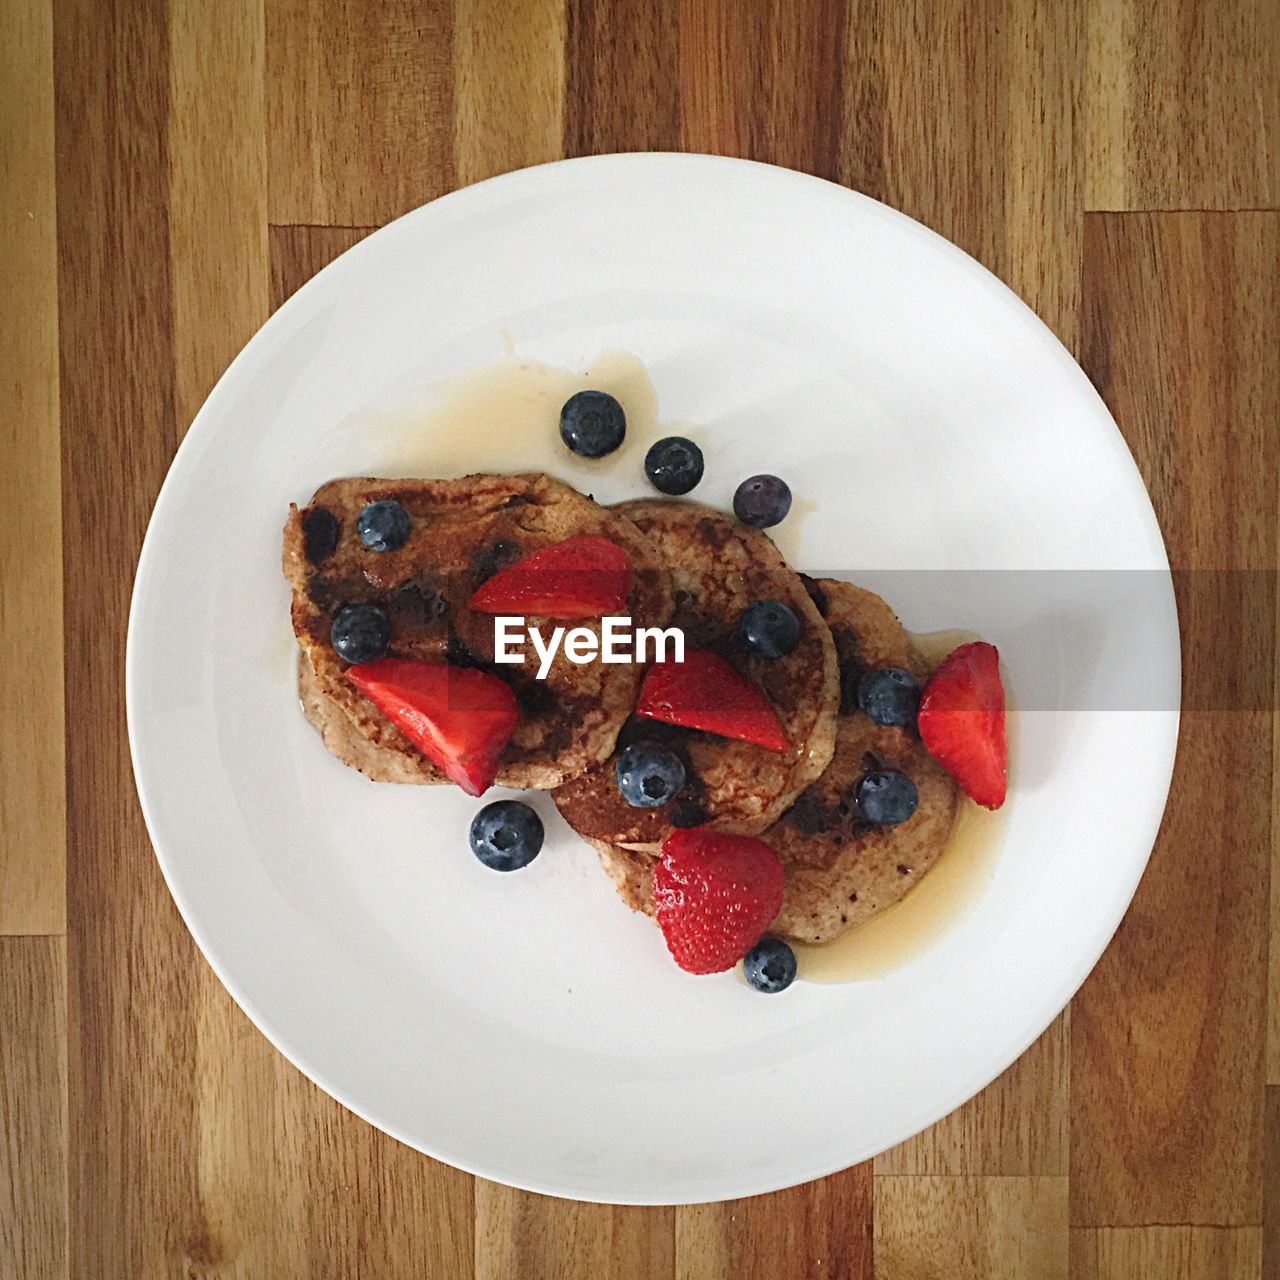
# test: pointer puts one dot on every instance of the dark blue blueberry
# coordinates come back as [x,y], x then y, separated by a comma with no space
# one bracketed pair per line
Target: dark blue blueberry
[673,465]
[889,696]
[506,835]
[762,501]
[770,966]
[648,775]
[768,629]
[383,526]
[592,423]
[360,633]
[886,797]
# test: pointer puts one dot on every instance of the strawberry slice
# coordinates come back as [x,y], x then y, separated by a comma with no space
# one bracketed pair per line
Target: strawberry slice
[714,895]
[961,722]
[582,577]
[459,718]
[705,692]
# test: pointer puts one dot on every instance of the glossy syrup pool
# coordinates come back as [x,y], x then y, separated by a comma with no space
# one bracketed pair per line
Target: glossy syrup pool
[504,417]
[942,898]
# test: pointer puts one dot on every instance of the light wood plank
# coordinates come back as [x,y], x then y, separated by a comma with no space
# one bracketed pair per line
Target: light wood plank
[527,1237]
[360,112]
[1183,104]
[508,85]
[1018,1125]
[33,1109]
[1167,1034]
[995,164]
[1169,1253]
[622,77]
[821,1229]
[998,1228]
[32,785]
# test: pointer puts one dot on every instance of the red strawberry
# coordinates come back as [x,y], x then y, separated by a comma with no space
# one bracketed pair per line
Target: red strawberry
[961,722]
[705,692]
[715,895]
[459,718]
[582,577]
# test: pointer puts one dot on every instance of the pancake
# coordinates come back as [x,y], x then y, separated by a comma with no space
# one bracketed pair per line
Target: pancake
[463,532]
[840,871]
[717,568]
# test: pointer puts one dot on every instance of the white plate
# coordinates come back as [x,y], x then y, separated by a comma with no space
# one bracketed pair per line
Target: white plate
[528,1028]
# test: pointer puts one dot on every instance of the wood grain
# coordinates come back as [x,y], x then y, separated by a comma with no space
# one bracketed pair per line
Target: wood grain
[1168,1032]
[1018,1125]
[359,108]
[1170,1253]
[998,170]
[822,1229]
[32,786]
[980,1228]
[508,85]
[1184,104]
[33,1111]
[297,253]
[518,1234]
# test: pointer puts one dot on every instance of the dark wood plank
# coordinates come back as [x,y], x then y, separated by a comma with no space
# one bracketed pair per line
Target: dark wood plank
[622,76]
[1167,1034]
[297,253]
[33,1109]
[821,1229]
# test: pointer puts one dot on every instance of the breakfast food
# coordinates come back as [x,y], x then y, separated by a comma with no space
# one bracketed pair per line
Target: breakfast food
[791,768]
[745,773]
[354,603]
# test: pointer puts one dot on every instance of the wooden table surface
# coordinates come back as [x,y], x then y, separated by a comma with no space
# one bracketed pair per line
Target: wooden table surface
[171,171]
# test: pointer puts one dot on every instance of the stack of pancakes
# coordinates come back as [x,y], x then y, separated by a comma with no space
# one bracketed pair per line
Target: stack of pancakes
[695,569]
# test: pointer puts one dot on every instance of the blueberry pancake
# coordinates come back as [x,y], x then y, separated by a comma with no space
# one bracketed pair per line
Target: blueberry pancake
[458,534]
[840,869]
[719,568]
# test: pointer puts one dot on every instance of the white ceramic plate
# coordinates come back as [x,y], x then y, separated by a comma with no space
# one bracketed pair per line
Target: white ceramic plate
[527,1027]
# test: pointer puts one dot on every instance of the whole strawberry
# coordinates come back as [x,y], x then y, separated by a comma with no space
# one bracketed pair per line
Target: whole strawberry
[715,896]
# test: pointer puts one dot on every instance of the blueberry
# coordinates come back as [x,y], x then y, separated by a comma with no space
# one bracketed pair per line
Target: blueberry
[673,465]
[762,501]
[360,633]
[769,629]
[770,966]
[592,423]
[383,526]
[886,797]
[506,835]
[648,775]
[889,695]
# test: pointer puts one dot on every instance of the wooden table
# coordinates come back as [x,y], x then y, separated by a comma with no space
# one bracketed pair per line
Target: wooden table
[172,171]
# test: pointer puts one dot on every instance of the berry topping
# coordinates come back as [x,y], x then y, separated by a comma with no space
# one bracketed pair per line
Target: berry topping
[506,835]
[673,465]
[592,423]
[886,797]
[705,692]
[360,633]
[460,718]
[770,966]
[648,774]
[768,629]
[889,695]
[762,501]
[319,534]
[582,577]
[962,722]
[715,894]
[383,526]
